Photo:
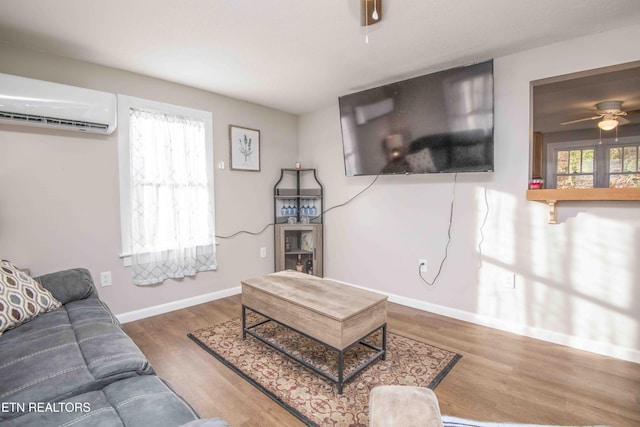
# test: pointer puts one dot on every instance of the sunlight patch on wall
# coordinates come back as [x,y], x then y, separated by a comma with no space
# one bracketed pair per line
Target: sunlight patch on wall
[575,278]
[601,260]
[500,227]
[496,243]
[495,298]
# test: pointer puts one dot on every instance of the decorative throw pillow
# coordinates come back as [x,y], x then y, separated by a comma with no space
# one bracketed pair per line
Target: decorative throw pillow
[21,298]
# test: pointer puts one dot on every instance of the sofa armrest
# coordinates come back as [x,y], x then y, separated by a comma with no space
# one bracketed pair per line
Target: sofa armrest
[69,285]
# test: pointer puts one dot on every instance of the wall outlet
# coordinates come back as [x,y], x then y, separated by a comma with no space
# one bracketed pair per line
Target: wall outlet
[423,265]
[509,280]
[263,252]
[105,278]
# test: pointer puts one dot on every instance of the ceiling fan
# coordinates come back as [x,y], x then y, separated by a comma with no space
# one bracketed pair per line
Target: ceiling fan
[611,114]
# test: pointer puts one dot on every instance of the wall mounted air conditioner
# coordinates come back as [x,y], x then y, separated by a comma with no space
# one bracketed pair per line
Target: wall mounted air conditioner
[32,102]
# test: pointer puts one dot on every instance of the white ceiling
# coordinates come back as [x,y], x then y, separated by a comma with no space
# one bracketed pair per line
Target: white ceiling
[298,55]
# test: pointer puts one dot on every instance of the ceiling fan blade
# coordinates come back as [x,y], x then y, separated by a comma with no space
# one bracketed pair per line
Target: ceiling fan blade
[622,120]
[581,120]
[637,111]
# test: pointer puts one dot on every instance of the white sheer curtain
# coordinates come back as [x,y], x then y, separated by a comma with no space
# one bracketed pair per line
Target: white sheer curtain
[171,207]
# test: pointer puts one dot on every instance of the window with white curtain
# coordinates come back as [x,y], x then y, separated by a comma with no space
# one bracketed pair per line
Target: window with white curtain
[166,190]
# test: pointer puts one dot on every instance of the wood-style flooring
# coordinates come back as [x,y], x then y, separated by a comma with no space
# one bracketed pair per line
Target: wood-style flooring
[501,376]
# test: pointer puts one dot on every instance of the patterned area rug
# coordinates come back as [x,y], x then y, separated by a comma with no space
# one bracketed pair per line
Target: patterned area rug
[304,393]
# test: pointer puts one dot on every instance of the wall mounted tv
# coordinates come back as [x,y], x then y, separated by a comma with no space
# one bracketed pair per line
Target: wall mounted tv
[440,122]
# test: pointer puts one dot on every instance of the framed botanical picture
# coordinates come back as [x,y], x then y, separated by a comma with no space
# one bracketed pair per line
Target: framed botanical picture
[244,144]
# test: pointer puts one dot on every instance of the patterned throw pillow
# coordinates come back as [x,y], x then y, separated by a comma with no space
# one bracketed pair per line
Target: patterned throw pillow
[21,298]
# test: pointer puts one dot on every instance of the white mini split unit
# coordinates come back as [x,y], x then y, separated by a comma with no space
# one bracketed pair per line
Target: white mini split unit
[32,102]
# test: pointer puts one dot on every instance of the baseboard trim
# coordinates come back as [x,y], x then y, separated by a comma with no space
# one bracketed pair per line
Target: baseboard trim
[176,305]
[601,348]
[604,349]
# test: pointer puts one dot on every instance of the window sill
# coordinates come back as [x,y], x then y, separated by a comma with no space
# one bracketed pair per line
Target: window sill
[552,196]
[127,261]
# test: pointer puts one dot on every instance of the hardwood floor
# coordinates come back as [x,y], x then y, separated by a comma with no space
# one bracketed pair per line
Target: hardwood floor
[501,376]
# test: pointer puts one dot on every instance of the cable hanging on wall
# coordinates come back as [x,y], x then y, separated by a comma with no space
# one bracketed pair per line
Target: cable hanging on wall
[257,233]
[446,248]
[484,221]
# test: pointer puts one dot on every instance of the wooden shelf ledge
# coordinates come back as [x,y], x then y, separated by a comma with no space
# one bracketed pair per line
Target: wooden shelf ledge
[552,196]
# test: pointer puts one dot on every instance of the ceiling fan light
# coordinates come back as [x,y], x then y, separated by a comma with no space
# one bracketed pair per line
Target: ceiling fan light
[608,124]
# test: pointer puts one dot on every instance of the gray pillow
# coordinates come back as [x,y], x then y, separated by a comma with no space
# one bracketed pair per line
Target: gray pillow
[69,285]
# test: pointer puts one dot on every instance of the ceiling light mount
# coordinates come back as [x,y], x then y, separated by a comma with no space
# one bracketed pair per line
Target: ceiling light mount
[370,12]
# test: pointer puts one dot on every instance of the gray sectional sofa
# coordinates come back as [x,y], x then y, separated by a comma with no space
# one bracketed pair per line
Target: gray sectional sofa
[75,365]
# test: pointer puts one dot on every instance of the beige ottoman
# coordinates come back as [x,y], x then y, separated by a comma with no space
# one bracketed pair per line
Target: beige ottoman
[403,406]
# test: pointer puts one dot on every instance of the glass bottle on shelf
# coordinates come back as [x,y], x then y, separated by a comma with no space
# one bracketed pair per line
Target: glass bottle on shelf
[309,266]
[287,245]
[299,265]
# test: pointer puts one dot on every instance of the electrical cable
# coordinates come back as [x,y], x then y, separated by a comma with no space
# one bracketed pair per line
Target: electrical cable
[252,233]
[446,248]
[230,236]
[348,201]
[484,221]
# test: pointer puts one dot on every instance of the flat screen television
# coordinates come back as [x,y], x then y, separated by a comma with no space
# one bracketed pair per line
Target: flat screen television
[440,122]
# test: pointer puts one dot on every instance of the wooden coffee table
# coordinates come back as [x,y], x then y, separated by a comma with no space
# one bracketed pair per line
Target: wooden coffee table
[336,315]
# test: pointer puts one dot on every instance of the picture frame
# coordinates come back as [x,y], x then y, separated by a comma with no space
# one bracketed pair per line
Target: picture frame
[244,146]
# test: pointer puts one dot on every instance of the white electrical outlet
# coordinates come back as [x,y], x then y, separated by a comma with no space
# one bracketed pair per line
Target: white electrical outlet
[105,278]
[423,265]
[509,280]
[263,252]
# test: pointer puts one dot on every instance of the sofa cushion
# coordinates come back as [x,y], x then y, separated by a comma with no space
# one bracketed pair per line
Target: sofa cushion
[21,298]
[133,402]
[77,348]
[69,285]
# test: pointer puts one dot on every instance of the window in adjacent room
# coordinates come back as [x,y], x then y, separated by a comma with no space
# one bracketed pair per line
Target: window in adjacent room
[624,166]
[166,189]
[594,164]
[575,168]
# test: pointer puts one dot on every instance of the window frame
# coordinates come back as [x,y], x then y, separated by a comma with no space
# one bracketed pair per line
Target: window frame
[125,103]
[552,160]
[618,144]
[601,158]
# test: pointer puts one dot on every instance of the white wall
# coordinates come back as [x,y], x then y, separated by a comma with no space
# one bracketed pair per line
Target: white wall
[59,202]
[576,283]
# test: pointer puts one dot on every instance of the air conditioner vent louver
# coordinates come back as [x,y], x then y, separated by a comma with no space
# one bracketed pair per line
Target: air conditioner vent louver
[31,102]
[50,121]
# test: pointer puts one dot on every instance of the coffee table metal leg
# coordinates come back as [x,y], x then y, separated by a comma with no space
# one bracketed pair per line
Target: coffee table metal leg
[244,322]
[340,370]
[384,342]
